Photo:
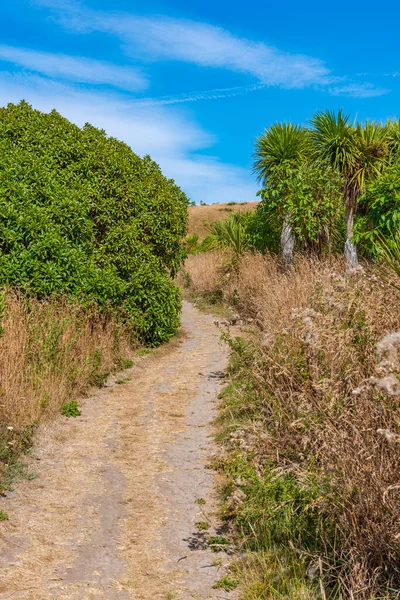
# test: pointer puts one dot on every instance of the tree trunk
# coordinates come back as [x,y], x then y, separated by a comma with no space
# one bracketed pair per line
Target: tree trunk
[287,241]
[350,250]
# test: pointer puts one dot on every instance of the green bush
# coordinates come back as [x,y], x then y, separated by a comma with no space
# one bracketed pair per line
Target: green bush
[229,234]
[71,409]
[380,210]
[311,195]
[263,230]
[82,215]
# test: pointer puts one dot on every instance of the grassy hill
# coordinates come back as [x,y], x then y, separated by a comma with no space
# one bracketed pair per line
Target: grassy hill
[200,216]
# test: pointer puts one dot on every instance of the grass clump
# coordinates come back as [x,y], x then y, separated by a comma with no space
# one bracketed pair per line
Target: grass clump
[143,351]
[218,543]
[15,471]
[203,525]
[122,363]
[226,583]
[122,381]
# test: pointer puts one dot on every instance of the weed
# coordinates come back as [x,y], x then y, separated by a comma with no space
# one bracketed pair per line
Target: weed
[218,543]
[143,351]
[122,381]
[14,471]
[203,525]
[122,363]
[99,379]
[200,501]
[226,583]
[217,562]
[71,409]
[3,515]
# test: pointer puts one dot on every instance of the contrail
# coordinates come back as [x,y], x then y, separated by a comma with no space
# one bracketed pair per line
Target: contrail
[204,95]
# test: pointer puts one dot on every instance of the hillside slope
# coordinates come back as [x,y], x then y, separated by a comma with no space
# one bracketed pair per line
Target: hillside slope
[199,216]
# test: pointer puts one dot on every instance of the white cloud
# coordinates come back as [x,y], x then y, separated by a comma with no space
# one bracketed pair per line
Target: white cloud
[358,90]
[165,38]
[210,46]
[157,38]
[170,136]
[74,68]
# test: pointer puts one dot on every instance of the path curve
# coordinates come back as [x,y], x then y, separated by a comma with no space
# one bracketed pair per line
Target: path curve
[112,513]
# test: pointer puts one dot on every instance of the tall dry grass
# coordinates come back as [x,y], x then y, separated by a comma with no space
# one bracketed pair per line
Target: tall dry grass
[50,351]
[315,409]
[205,274]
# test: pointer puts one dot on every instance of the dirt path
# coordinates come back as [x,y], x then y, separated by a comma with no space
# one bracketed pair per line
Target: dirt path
[112,513]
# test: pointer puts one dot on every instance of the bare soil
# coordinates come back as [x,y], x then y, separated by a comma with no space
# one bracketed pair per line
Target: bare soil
[113,510]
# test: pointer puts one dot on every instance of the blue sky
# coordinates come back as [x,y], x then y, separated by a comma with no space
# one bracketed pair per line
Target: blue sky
[193,84]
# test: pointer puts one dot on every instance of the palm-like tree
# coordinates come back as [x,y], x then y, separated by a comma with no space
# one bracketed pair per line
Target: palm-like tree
[281,149]
[392,130]
[358,152]
[230,234]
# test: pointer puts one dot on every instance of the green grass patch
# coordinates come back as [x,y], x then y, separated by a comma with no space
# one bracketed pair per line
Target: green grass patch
[122,363]
[271,511]
[122,381]
[16,470]
[203,525]
[218,543]
[143,351]
[226,583]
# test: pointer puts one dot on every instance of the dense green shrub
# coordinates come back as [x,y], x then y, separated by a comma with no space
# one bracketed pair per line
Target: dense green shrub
[380,204]
[82,215]
[264,230]
[310,196]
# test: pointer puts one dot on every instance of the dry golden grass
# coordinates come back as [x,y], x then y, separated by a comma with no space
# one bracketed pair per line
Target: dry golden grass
[323,405]
[200,216]
[50,351]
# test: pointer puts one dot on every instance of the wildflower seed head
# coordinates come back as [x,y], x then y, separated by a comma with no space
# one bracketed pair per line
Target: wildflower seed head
[389,384]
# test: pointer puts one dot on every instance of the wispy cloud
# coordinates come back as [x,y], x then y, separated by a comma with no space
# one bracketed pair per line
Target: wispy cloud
[163,38]
[209,46]
[358,90]
[160,38]
[201,95]
[74,68]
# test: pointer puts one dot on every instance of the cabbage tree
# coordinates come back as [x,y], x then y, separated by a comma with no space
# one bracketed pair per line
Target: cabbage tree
[279,151]
[357,152]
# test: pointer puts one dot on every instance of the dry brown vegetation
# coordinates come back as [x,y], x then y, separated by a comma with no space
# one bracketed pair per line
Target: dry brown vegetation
[201,216]
[314,413]
[50,351]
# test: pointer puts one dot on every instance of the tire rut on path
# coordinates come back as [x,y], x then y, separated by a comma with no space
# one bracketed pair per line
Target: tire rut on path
[112,513]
